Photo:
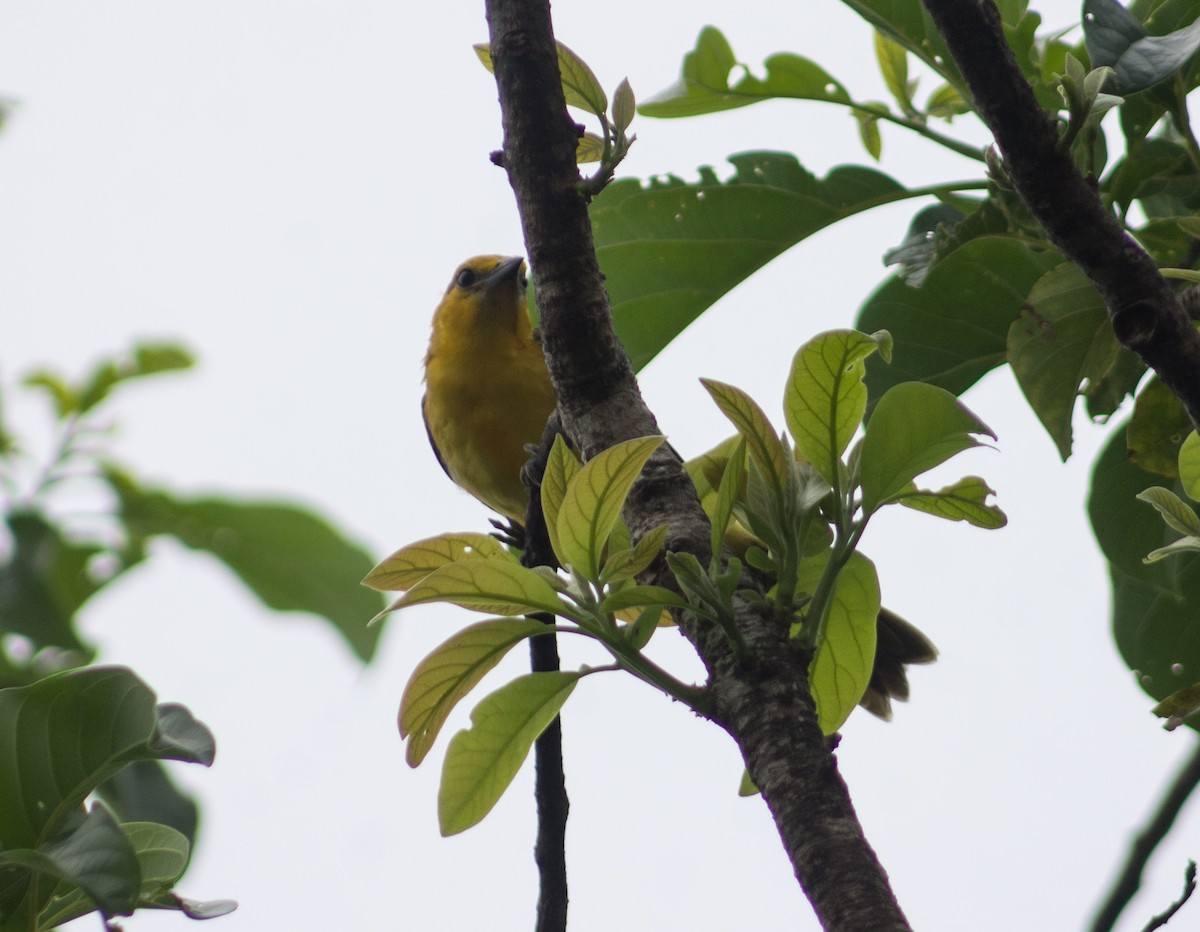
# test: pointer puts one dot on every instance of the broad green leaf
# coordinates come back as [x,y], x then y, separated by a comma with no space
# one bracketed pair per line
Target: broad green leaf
[561,468]
[703,85]
[1178,706]
[914,428]
[628,597]
[669,249]
[953,330]
[451,671]
[44,582]
[91,854]
[1116,38]
[841,667]
[142,791]
[1060,340]
[594,500]
[482,761]
[626,564]
[289,557]
[766,449]
[964,500]
[580,86]
[1189,466]
[639,631]
[892,58]
[825,397]
[409,565]
[1171,507]
[910,25]
[1157,429]
[492,586]
[64,735]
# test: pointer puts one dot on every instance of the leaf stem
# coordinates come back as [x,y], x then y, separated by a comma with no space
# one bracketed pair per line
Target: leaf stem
[921,129]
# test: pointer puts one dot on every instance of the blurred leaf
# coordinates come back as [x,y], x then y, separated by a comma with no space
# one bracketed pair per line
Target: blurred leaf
[964,500]
[594,500]
[590,148]
[288,557]
[1189,466]
[1179,706]
[670,249]
[841,667]
[451,671]
[914,428]
[1157,430]
[142,791]
[910,25]
[954,328]
[892,58]
[409,565]
[61,394]
[868,133]
[1109,392]
[1060,339]
[825,397]
[916,253]
[1115,37]
[703,85]
[482,761]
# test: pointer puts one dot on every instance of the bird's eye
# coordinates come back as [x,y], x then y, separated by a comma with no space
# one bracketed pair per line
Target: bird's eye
[522,282]
[466,278]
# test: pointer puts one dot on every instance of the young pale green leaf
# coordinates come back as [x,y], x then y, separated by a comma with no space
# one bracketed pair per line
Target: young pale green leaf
[746,786]
[915,427]
[590,148]
[639,632]
[893,66]
[628,597]
[868,133]
[825,397]
[624,106]
[1060,340]
[594,500]
[580,86]
[1175,512]
[1181,546]
[945,103]
[1189,466]
[762,441]
[841,667]
[561,469]
[1179,706]
[497,587]
[482,760]
[409,565]
[964,500]
[451,671]
[732,480]
[625,564]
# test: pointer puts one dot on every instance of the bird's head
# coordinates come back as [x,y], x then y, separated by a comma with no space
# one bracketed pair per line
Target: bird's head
[485,296]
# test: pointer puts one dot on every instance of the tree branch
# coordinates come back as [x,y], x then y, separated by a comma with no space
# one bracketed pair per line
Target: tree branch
[763,702]
[1144,311]
[1147,840]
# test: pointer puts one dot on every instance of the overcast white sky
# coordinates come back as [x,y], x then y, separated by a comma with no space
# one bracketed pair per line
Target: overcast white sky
[286,188]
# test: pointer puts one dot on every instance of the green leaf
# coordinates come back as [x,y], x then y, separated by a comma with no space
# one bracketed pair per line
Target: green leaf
[67,733]
[703,85]
[626,564]
[825,397]
[1178,706]
[910,25]
[146,359]
[579,84]
[561,469]
[55,386]
[945,103]
[868,133]
[628,597]
[1189,466]
[142,791]
[1175,548]
[1157,429]
[482,761]
[594,500]
[451,671]
[842,665]
[1116,38]
[766,449]
[624,106]
[669,249]
[1060,339]
[953,330]
[746,787]
[914,428]
[1173,510]
[730,488]
[288,557]
[965,500]
[44,583]
[409,565]
[493,586]
[893,66]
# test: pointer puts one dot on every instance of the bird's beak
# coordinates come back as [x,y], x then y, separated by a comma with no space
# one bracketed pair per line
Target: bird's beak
[507,271]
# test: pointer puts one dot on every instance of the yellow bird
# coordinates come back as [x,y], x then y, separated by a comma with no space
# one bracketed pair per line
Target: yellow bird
[488,395]
[487,389]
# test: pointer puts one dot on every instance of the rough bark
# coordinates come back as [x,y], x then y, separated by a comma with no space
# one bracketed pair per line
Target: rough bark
[763,701]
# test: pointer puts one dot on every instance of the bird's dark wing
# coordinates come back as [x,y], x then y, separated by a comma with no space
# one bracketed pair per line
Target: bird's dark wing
[432,442]
[899,644]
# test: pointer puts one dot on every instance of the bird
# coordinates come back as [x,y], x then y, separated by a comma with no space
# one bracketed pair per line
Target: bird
[488,396]
[488,393]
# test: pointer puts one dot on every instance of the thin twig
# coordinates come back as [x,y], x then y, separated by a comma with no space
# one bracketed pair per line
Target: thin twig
[1189,887]
[1147,840]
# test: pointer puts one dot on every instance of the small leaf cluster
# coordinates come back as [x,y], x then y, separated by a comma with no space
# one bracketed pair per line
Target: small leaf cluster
[806,502]
[599,598]
[583,90]
[1177,514]
[66,737]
